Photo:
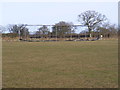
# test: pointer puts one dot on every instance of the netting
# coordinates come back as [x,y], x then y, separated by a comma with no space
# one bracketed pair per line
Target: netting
[51,33]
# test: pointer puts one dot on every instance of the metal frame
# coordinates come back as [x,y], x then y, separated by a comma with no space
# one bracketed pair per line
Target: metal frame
[49,26]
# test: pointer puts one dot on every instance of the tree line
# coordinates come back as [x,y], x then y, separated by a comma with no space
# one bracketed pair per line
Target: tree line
[95,22]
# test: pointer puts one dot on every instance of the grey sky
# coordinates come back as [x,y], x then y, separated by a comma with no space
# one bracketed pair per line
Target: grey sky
[53,12]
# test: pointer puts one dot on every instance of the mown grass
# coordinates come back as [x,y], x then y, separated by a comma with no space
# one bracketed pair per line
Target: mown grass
[85,64]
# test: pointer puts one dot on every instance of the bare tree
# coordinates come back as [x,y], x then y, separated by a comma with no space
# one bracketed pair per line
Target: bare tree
[108,30]
[43,31]
[20,30]
[91,19]
[63,28]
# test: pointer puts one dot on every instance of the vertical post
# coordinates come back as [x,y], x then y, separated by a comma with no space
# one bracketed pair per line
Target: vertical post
[49,34]
[48,29]
[90,35]
[101,36]
[56,33]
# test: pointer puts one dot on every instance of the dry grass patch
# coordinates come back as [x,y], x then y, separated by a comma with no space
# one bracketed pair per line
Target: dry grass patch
[60,64]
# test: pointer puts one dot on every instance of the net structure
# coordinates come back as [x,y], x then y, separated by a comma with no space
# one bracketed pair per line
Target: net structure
[38,33]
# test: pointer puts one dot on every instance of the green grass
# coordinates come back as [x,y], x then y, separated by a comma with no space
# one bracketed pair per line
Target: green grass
[85,64]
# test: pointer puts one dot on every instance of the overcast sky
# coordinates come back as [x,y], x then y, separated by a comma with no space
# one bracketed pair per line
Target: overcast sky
[53,12]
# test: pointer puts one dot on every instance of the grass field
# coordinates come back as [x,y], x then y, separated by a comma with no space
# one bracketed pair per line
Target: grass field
[85,64]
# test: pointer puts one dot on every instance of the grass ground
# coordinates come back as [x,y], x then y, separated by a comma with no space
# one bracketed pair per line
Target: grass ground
[85,64]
